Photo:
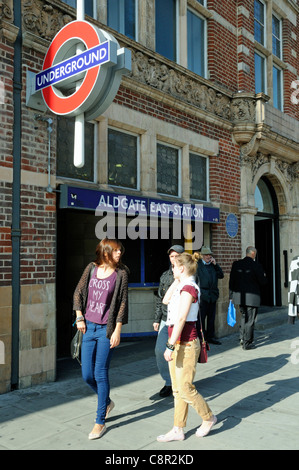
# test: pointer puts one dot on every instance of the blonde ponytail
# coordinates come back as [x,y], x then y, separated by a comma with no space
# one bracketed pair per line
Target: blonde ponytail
[189,261]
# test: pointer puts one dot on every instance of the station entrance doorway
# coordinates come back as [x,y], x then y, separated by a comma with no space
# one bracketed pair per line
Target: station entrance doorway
[266,229]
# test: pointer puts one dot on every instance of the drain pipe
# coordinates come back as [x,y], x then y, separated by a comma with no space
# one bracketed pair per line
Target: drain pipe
[16,193]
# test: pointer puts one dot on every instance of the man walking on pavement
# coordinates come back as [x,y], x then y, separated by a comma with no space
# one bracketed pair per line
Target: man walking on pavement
[246,278]
[160,321]
[208,273]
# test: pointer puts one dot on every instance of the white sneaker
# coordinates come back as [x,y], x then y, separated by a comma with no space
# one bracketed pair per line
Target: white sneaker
[206,427]
[176,434]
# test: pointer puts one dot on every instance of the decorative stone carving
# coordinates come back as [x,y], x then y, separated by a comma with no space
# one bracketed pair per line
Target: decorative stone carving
[6,10]
[250,148]
[43,19]
[290,171]
[253,163]
[7,29]
[158,75]
[258,161]
[243,109]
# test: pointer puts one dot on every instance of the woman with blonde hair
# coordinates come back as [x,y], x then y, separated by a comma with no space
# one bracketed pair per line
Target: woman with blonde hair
[183,348]
[101,306]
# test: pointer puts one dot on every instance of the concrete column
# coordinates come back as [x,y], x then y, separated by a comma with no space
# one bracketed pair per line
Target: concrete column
[183,52]
[247,227]
[148,163]
[146,24]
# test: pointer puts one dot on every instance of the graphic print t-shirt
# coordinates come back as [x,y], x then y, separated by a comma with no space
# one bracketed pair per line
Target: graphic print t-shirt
[100,292]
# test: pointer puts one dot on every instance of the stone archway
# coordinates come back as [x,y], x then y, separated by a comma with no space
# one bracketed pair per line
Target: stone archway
[267,241]
[279,183]
[276,172]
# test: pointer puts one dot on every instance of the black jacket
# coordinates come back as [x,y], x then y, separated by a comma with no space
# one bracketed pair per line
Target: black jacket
[165,282]
[207,278]
[246,278]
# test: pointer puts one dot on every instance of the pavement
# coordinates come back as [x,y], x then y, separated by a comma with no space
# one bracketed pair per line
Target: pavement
[255,395]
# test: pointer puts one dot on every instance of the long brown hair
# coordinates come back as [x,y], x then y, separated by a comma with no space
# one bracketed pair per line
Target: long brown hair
[105,249]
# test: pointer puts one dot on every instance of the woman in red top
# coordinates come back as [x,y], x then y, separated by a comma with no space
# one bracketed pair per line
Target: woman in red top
[183,348]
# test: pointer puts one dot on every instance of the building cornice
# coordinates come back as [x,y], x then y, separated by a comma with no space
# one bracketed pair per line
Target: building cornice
[157,77]
[8,31]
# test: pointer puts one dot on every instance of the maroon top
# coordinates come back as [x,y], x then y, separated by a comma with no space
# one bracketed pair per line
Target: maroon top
[100,292]
[189,331]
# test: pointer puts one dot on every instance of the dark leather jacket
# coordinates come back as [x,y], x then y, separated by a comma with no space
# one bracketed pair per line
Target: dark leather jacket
[207,277]
[165,282]
[246,278]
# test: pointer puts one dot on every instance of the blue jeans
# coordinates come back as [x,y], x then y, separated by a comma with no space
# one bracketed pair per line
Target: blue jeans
[160,347]
[95,358]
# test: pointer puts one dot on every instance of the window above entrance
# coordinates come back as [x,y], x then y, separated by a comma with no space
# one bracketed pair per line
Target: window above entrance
[65,150]
[123,17]
[89,6]
[262,198]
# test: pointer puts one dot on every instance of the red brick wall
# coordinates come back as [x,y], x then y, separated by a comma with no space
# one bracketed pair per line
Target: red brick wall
[6,132]
[38,226]
[245,24]
[289,44]
[6,105]
[224,168]
[222,46]
[5,233]
[38,207]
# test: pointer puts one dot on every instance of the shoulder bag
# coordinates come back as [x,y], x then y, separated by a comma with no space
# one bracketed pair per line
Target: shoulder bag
[76,346]
[76,342]
[204,346]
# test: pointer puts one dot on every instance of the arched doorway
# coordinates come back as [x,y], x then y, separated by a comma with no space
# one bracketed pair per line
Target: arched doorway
[266,226]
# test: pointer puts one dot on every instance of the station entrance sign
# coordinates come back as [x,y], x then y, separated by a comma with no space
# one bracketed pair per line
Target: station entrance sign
[81,72]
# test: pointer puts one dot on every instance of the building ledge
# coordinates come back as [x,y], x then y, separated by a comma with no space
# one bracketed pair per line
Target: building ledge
[259,127]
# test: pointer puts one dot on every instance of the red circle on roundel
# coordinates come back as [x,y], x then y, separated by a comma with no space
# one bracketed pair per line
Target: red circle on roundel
[86,32]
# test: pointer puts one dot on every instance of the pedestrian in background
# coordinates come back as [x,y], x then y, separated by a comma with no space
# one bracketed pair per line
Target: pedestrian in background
[101,306]
[293,293]
[183,348]
[246,279]
[208,273]
[159,324]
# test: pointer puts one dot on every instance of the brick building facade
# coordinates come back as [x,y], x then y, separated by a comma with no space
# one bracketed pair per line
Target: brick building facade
[222,133]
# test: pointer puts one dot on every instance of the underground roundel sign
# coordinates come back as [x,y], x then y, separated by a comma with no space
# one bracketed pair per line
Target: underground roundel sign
[82,70]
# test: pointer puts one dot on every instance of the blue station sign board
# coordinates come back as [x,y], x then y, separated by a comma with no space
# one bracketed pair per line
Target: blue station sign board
[72,197]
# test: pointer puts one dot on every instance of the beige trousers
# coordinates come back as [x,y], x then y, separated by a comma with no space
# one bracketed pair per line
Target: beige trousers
[182,371]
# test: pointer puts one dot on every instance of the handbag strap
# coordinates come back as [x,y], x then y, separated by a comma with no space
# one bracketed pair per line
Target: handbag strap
[201,332]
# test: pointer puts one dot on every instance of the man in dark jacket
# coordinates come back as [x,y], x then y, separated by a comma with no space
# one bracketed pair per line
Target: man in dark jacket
[208,273]
[246,278]
[160,321]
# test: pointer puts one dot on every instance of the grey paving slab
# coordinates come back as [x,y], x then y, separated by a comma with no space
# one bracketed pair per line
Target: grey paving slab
[255,395]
